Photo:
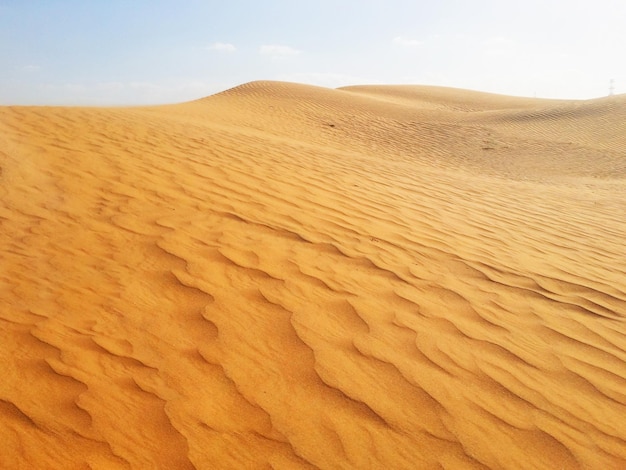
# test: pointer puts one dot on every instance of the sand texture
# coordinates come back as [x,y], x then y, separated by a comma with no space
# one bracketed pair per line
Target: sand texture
[284,276]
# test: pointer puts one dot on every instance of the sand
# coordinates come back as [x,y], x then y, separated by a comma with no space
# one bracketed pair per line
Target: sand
[285,276]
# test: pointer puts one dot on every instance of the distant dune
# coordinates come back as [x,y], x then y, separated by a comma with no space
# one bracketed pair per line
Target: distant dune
[285,276]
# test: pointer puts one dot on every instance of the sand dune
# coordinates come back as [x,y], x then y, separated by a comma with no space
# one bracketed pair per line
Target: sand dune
[286,276]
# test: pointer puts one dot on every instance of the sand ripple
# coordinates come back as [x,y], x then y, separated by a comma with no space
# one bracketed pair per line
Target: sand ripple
[285,276]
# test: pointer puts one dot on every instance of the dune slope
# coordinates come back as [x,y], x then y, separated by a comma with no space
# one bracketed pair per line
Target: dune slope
[285,276]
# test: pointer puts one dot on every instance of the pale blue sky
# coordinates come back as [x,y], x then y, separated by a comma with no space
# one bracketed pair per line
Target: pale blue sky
[158,51]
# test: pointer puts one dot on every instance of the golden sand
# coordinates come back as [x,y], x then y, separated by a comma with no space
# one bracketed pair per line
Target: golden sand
[285,276]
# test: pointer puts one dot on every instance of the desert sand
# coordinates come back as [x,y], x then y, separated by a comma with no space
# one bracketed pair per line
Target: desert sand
[285,276]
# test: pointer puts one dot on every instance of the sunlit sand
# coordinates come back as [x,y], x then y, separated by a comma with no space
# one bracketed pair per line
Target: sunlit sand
[285,276]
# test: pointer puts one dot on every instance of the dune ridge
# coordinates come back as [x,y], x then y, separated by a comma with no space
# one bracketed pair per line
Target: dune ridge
[288,276]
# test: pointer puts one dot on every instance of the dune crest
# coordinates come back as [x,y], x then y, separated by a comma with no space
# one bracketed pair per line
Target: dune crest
[288,276]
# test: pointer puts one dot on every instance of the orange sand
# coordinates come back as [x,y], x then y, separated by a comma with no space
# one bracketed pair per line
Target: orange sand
[285,276]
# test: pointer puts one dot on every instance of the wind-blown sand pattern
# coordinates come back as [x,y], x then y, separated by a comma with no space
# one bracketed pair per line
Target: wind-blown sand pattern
[285,276]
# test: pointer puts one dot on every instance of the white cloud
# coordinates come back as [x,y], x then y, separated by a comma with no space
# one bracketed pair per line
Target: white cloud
[275,50]
[222,47]
[498,46]
[31,68]
[406,42]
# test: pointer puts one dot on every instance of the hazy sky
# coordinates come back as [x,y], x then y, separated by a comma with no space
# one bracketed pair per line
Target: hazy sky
[156,51]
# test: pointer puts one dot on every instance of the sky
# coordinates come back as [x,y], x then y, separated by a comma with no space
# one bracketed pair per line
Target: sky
[130,52]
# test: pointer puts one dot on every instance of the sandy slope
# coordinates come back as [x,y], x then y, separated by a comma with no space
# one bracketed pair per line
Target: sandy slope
[284,276]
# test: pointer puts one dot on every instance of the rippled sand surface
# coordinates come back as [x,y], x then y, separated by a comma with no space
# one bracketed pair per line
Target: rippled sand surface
[284,276]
